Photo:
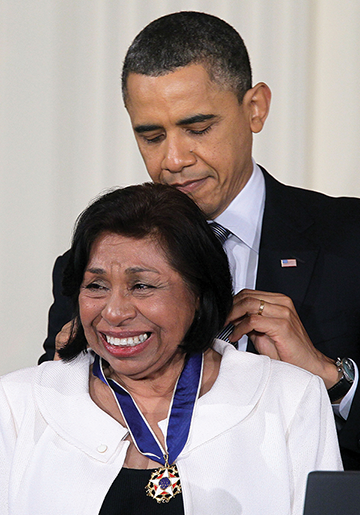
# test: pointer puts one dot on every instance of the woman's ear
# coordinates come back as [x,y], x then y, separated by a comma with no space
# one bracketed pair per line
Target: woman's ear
[257,100]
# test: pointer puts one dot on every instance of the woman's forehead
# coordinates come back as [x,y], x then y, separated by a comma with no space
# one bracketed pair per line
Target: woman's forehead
[146,252]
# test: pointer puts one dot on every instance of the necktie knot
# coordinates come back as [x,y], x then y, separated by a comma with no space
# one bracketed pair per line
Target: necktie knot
[220,232]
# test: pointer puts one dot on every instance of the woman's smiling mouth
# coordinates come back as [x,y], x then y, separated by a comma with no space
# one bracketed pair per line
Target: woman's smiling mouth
[127,342]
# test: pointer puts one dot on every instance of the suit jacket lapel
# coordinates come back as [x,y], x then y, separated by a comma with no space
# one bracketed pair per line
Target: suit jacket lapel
[286,233]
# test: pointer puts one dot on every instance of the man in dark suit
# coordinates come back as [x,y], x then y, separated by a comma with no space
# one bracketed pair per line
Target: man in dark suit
[187,88]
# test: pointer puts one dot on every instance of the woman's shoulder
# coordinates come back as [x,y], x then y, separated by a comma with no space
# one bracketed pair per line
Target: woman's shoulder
[52,389]
[17,391]
[20,380]
[25,383]
[262,373]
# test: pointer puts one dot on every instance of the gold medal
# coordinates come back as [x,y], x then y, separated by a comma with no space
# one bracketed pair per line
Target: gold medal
[164,483]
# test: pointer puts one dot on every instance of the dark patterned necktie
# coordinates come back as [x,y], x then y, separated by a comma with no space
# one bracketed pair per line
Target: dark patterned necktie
[220,232]
[222,235]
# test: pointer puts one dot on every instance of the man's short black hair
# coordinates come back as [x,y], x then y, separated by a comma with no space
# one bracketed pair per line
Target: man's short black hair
[189,37]
[176,223]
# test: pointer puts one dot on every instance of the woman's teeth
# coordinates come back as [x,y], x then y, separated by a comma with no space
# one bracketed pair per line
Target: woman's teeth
[127,342]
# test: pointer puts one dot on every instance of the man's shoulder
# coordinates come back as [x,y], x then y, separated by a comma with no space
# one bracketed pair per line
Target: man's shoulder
[333,213]
[309,197]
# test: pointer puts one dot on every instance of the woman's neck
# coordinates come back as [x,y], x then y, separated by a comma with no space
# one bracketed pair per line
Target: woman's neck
[153,397]
[159,384]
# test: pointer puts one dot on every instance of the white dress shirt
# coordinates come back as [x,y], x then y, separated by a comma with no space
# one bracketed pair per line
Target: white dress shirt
[243,217]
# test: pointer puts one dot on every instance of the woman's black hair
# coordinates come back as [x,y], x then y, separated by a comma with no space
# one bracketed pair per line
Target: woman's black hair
[177,224]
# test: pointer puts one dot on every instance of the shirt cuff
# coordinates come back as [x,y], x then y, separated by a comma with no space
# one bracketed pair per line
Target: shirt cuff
[343,409]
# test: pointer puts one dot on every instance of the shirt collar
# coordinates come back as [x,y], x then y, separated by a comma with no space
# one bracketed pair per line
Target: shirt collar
[243,216]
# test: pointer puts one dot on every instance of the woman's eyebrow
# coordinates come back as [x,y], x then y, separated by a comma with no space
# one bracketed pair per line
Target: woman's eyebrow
[138,269]
[97,271]
[130,270]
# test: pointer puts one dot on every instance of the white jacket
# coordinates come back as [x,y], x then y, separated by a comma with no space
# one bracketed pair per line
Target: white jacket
[255,435]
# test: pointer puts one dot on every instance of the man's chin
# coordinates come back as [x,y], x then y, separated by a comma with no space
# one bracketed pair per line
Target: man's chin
[209,209]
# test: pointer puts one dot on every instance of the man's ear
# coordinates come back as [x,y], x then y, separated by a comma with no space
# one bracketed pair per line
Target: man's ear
[257,99]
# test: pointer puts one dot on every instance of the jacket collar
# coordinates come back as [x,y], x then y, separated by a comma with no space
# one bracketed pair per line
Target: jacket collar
[233,395]
[62,394]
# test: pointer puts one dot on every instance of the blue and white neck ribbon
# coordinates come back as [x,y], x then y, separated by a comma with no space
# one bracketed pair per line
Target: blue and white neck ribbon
[181,410]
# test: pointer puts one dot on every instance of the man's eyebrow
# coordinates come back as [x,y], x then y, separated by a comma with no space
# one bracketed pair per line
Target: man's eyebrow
[146,128]
[196,118]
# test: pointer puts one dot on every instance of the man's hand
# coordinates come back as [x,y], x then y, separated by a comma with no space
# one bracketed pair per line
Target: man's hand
[276,331]
[62,338]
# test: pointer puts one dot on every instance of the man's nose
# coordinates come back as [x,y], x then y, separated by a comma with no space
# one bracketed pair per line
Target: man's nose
[177,154]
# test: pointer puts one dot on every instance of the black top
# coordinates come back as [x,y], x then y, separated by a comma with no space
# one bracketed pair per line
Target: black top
[127,496]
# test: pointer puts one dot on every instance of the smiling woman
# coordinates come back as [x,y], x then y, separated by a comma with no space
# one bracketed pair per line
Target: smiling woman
[134,306]
[142,239]
[146,412]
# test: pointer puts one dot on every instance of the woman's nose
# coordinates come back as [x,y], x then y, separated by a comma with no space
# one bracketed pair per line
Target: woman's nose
[118,309]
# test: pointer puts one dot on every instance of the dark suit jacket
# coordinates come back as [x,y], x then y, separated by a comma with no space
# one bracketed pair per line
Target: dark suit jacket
[323,235]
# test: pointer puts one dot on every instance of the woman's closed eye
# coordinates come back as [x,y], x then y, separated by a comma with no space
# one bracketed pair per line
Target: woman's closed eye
[95,286]
[143,287]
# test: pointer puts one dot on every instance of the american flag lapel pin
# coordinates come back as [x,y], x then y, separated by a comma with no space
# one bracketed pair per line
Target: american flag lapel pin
[288,263]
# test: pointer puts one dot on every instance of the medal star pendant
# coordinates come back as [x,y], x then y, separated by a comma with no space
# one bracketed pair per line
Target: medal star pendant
[164,483]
